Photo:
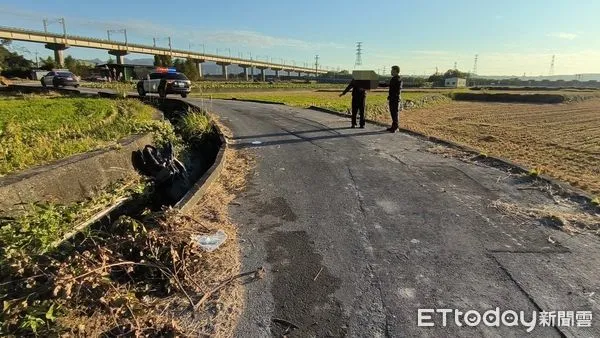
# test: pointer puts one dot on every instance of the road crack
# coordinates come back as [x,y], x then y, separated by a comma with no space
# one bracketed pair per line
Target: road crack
[522,289]
[359,196]
[372,271]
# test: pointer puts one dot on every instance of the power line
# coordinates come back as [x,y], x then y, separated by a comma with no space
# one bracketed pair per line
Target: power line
[358,61]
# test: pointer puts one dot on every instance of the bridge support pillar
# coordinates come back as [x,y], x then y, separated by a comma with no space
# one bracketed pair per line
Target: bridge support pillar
[246,73]
[119,55]
[59,55]
[277,73]
[262,74]
[245,67]
[224,69]
[199,66]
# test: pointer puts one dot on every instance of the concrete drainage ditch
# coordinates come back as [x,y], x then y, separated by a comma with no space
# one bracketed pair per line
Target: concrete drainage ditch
[78,177]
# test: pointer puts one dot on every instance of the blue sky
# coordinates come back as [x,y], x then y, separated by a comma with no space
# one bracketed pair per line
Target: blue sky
[510,37]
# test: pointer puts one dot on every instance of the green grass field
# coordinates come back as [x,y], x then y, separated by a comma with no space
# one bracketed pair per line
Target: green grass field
[39,129]
[222,86]
[376,101]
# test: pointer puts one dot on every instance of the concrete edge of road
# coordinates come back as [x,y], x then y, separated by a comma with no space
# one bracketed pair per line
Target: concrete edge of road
[567,190]
[200,187]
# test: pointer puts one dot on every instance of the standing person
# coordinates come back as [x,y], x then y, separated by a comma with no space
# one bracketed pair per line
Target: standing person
[394,97]
[358,102]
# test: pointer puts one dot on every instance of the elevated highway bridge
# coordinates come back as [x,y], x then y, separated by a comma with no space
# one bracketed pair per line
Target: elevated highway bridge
[60,42]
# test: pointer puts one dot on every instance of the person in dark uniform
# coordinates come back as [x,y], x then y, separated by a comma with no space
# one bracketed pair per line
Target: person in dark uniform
[394,97]
[358,102]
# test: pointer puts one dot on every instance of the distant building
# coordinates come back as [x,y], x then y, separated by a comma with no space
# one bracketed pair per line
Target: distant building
[455,82]
[127,72]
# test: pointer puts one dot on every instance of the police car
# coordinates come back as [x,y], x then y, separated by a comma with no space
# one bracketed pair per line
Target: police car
[165,81]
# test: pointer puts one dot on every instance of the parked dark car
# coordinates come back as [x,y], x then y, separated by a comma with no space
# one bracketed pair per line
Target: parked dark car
[60,79]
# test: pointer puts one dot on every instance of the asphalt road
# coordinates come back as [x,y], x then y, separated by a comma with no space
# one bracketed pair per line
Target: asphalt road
[358,229]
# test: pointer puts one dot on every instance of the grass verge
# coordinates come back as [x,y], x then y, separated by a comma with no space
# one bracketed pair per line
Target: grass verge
[219,86]
[35,230]
[36,129]
[560,215]
[376,101]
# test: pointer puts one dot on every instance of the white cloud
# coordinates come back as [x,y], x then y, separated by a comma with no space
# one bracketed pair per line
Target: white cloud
[563,35]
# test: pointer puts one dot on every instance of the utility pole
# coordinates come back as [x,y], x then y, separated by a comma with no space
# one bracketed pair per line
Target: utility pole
[316,64]
[37,63]
[124,31]
[358,61]
[455,68]
[551,72]
[154,42]
[475,64]
[62,20]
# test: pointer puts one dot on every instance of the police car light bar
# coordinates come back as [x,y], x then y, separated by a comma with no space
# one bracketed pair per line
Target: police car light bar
[166,70]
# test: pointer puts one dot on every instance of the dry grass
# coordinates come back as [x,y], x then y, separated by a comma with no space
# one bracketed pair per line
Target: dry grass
[135,277]
[223,263]
[561,214]
[563,140]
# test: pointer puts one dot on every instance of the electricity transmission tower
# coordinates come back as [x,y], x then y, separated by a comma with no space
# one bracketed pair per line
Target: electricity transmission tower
[455,66]
[358,61]
[316,64]
[475,64]
[551,72]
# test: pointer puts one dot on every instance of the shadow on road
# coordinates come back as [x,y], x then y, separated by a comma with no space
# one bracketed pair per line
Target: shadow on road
[287,133]
[299,138]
